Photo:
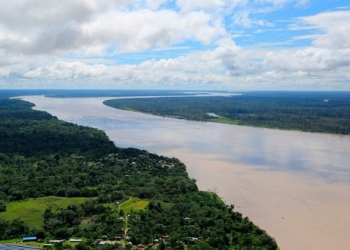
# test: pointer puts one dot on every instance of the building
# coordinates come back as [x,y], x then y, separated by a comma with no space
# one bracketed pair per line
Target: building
[30,238]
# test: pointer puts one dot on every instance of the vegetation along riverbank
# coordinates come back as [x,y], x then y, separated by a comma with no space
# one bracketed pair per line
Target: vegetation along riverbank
[64,181]
[325,112]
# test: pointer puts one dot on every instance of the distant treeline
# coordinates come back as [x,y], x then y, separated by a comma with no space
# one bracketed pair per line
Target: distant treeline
[42,156]
[71,93]
[26,132]
[326,112]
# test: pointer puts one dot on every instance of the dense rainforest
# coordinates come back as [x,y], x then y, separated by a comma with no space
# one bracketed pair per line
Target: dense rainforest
[326,112]
[132,199]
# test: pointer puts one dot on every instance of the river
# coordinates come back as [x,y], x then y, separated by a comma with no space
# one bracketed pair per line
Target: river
[294,185]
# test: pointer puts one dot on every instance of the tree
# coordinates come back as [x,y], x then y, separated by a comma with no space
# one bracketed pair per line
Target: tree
[82,246]
[17,228]
[201,245]
[3,226]
[2,206]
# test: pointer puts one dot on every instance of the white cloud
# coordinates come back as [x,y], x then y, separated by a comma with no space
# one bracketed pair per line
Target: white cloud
[51,27]
[29,15]
[281,3]
[49,41]
[145,29]
[155,4]
[195,68]
[309,59]
[242,18]
[335,28]
[67,70]
[228,66]
[235,3]
[35,27]
[193,5]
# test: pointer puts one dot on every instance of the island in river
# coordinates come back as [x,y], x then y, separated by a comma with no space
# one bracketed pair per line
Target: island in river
[326,112]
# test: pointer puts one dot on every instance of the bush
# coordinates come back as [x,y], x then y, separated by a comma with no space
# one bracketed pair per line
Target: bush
[2,206]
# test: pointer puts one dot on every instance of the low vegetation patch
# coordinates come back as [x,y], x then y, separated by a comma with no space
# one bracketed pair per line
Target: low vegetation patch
[134,204]
[31,211]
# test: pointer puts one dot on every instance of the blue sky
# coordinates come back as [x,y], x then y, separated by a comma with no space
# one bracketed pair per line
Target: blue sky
[175,44]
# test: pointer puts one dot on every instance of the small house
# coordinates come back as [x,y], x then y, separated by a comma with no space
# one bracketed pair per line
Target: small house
[56,241]
[75,240]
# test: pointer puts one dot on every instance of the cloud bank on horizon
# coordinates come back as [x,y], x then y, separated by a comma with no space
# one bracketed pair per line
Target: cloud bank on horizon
[176,44]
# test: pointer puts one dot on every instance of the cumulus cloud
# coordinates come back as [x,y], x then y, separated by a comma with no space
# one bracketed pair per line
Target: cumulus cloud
[309,59]
[81,41]
[327,59]
[334,28]
[67,70]
[198,67]
[46,27]
[33,27]
[145,29]
[155,4]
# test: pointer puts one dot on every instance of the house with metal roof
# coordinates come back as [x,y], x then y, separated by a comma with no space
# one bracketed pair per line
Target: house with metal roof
[29,238]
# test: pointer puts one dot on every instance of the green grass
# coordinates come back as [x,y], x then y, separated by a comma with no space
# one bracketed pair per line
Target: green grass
[18,241]
[134,204]
[223,119]
[32,210]
[11,241]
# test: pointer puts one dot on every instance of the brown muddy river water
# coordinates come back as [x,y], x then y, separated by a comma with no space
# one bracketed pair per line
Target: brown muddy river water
[294,185]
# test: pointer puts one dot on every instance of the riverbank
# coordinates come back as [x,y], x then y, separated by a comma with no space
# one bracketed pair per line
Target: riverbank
[323,112]
[124,189]
[267,174]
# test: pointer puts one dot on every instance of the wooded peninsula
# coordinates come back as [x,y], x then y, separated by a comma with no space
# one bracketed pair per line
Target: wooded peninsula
[325,112]
[66,186]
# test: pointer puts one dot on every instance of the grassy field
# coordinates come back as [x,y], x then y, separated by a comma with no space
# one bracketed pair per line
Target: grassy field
[11,241]
[134,204]
[223,119]
[32,210]
[19,242]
